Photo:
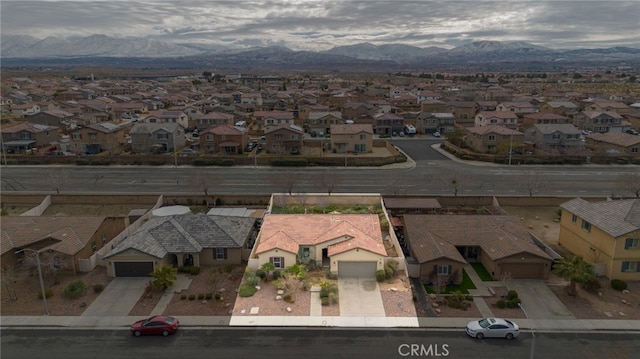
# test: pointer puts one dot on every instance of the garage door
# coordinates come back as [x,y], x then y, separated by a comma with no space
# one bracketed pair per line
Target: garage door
[524,270]
[356,269]
[133,269]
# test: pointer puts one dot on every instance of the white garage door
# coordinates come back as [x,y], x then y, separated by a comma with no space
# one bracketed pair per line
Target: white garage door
[356,269]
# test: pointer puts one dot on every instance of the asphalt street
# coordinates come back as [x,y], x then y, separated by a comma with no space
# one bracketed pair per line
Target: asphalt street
[309,343]
[432,174]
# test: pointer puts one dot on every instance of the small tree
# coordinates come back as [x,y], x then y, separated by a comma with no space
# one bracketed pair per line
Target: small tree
[575,270]
[268,268]
[164,277]
[213,280]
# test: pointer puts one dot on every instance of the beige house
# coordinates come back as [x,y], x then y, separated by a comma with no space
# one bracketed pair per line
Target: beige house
[224,139]
[347,244]
[351,138]
[443,244]
[504,118]
[606,234]
[493,139]
[96,138]
[614,143]
[284,139]
[61,240]
[181,240]
[24,136]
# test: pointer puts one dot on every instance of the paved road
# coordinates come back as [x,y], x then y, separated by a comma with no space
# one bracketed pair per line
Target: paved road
[433,174]
[307,343]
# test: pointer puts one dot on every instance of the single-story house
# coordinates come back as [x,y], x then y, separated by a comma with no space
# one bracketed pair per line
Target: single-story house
[349,245]
[60,240]
[443,244]
[181,240]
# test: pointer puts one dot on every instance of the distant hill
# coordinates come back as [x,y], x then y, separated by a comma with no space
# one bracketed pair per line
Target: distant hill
[481,55]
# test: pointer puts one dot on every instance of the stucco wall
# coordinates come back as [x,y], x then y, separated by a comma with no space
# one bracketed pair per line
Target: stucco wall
[234,256]
[289,258]
[356,255]
[427,267]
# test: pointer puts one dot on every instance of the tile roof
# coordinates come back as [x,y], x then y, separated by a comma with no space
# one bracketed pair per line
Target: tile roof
[616,138]
[186,233]
[289,231]
[70,233]
[351,129]
[614,217]
[436,236]
[565,128]
[498,129]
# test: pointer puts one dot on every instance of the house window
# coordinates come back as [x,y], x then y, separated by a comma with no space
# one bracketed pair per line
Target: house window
[77,136]
[208,137]
[305,252]
[277,262]
[631,243]
[162,136]
[574,218]
[630,267]
[219,254]
[278,137]
[634,149]
[360,147]
[586,226]
[94,246]
[443,269]
[104,239]
[25,135]
[492,137]
[294,136]
[363,136]
[93,136]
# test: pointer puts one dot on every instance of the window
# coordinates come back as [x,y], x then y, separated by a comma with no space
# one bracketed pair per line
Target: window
[219,254]
[77,136]
[363,136]
[630,267]
[630,243]
[492,137]
[360,148]
[574,218]
[443,269]
[94,246]
[93,136]
[162,136]
[278,137]
[25,135]
[277,262]
[294,136]
[634,149]
[209,137]
[104,239]
[586,226]
[305,252]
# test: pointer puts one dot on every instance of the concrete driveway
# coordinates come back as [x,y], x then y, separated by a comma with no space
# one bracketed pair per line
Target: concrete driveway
[118,298]
[538,300]
[360,297]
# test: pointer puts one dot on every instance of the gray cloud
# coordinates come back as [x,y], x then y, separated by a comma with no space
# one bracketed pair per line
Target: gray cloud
[322,24]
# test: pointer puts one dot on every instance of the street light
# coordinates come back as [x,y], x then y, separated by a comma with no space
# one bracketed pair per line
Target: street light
[44,294]
[533,335]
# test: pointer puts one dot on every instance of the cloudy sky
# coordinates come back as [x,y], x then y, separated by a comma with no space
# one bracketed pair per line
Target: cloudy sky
[323,24]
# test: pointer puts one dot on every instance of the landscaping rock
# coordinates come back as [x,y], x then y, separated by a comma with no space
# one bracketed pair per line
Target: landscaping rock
[435,305]
[621,314]
[289,309]
[258,287]
[204,302]
[437,310]
[624,301]
[393,289]
[222,290]
[278,297]
[625,291]
[432,296]
[83,304]
[280,292]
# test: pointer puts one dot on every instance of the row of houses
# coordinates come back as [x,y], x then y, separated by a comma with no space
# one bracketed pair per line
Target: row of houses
[436,244]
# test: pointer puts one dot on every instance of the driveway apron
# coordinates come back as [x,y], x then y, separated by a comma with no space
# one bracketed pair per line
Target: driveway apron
[360,297]
[538,301]
[118,298]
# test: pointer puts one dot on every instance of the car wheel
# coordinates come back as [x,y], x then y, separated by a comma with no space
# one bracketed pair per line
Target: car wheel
[137,333]
[165,333]
[479,336]
[509,336]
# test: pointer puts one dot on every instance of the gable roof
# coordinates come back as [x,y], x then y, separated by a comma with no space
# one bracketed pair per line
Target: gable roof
[187,233]
[613,217]
[616,138]
[351,129]
[289,231]
[436,236]
[565,128]
[497,129]
[70,233]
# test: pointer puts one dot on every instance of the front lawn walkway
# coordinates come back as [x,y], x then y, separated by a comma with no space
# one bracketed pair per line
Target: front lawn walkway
[482,272]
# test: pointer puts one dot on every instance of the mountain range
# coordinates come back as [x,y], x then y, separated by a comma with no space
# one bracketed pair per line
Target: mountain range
[486,55]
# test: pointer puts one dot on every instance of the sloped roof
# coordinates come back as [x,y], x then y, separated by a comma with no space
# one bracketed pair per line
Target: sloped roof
[351,129]
[565,128]
[436,236]
[187,233]
[616,218]
[70,233]
[289,231]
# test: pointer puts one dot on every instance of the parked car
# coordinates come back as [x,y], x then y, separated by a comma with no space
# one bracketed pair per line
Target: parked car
[188,152]
[436,134]
[492,328]
[156,325]
[632,131]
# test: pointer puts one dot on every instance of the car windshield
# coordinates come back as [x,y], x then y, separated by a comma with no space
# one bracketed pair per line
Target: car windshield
[170,320]
[484,323]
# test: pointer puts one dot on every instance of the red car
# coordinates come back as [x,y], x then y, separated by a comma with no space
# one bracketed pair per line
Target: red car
[160,324]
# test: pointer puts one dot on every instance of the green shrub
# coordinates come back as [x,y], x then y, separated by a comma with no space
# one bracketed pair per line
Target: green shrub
[201,296]
[280,284]
[183,297]
[75,289]
[261,273]
[251,279]
[592,285]
[324,292]
[48,292]
[192,297]
[324,301]
[98,288]
[288,298]
[194,270]
[512,294]
[333,298]
[618,284]
[298,162]
[393,264]
[622,161]
[388,272]
[217,296]
[380,275]
[511,304]
[501,304]
[276,274]
[515,302]
[246,290]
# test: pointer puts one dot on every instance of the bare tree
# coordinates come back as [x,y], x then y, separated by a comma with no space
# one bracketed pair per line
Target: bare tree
[58,179]
[452,179]
[630,182]
[201,182]
[394,185]
[286,181]
[213,280]
[531,182]
[328,180]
